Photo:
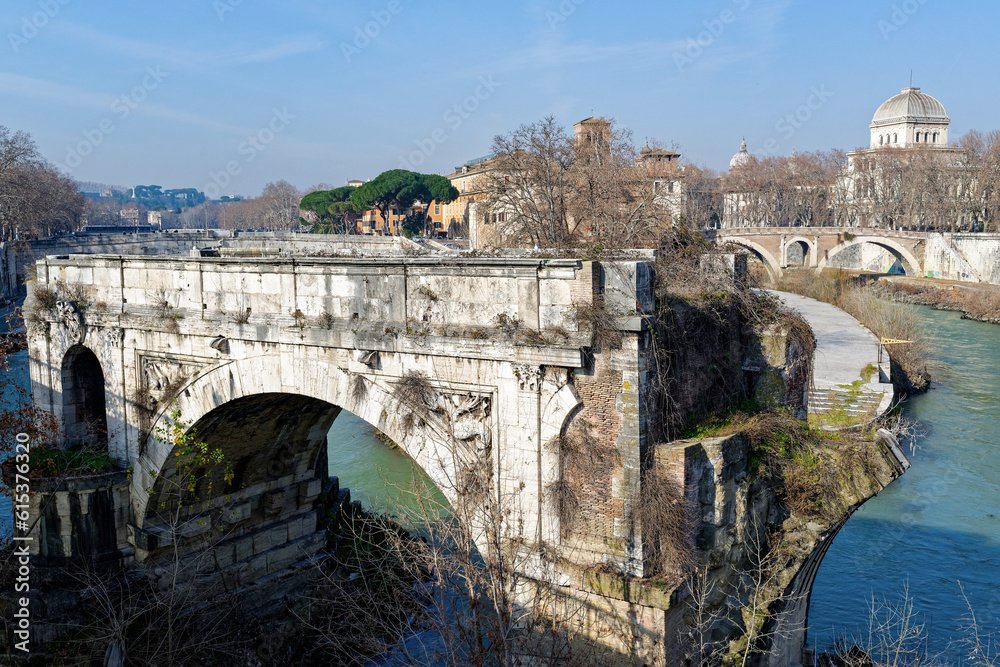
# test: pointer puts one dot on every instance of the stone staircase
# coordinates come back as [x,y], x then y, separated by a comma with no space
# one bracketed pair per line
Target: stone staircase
[855,404]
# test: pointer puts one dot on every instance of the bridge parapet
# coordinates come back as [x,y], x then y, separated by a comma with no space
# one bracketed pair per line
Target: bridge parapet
[387,303]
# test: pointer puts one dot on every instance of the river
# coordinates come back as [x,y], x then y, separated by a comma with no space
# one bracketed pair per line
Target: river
[939,524]
[383,478]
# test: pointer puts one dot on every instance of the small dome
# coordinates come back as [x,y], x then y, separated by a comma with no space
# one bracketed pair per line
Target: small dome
[741,158]
[910,105]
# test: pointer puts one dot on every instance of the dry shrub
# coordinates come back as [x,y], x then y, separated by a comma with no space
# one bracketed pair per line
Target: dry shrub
[667,522]
[827,286]
[603,324]
[981,304]
[359,389]
[874,308]
[45,297]
[565,499]
[414,391]
[783,451]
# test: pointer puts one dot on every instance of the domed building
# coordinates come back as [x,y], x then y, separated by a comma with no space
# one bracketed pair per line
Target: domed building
[905,126]
[909,120]
[741,158]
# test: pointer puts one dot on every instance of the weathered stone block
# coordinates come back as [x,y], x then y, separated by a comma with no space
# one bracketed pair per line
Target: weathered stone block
[240,512]
[302,526]
[268,538]
[309,491]
[273,502]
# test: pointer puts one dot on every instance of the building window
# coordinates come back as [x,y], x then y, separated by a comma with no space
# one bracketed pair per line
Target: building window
[895,138]
[934,138]
[670,186]
[437,209]
[880,139]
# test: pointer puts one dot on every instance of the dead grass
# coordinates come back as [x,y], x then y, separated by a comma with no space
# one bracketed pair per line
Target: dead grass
[875,306]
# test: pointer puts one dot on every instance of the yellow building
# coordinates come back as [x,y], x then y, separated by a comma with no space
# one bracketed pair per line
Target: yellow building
[458,219]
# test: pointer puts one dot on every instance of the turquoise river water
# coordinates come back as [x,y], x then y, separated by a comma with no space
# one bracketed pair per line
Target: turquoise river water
[936,526]
[939,524]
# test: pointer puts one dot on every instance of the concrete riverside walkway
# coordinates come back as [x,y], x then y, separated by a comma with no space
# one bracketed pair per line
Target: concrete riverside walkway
[844,350]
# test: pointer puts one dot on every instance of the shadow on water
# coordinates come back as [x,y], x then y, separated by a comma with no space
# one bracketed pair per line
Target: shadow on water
[940,522]
[860,568]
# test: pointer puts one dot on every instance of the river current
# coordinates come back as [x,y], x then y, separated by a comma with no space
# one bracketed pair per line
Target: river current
[935,530]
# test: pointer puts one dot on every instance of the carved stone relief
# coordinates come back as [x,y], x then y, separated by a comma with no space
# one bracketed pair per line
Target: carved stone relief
[163,375]
[528,376]
[115,336]
[71,317]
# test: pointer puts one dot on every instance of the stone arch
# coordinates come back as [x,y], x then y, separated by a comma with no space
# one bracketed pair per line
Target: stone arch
[254,388]
[910,263]
[770,263]
[808,247]
[84,403]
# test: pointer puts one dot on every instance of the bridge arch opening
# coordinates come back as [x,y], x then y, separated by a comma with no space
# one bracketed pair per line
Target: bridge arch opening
[798,253]
[760,253]
[84,407]
[891,256]
[261,506]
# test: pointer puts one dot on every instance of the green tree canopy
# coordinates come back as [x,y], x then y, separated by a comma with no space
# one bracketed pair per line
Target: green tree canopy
[399,188]
[334,209]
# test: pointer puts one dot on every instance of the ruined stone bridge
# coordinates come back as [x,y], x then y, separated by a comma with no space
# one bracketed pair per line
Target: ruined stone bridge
[955,256]
[474,366]
[477,367]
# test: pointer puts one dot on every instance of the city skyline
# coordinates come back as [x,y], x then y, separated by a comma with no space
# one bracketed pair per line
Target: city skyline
[226,96]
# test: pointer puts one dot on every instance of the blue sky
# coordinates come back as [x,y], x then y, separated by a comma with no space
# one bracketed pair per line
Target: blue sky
[236,93]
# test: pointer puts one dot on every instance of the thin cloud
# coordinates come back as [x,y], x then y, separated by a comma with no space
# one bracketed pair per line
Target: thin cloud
[193,58]
[58,93]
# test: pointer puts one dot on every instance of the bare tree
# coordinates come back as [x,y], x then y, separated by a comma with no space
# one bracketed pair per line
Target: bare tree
[529,188]
[35,199]
[278,206]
